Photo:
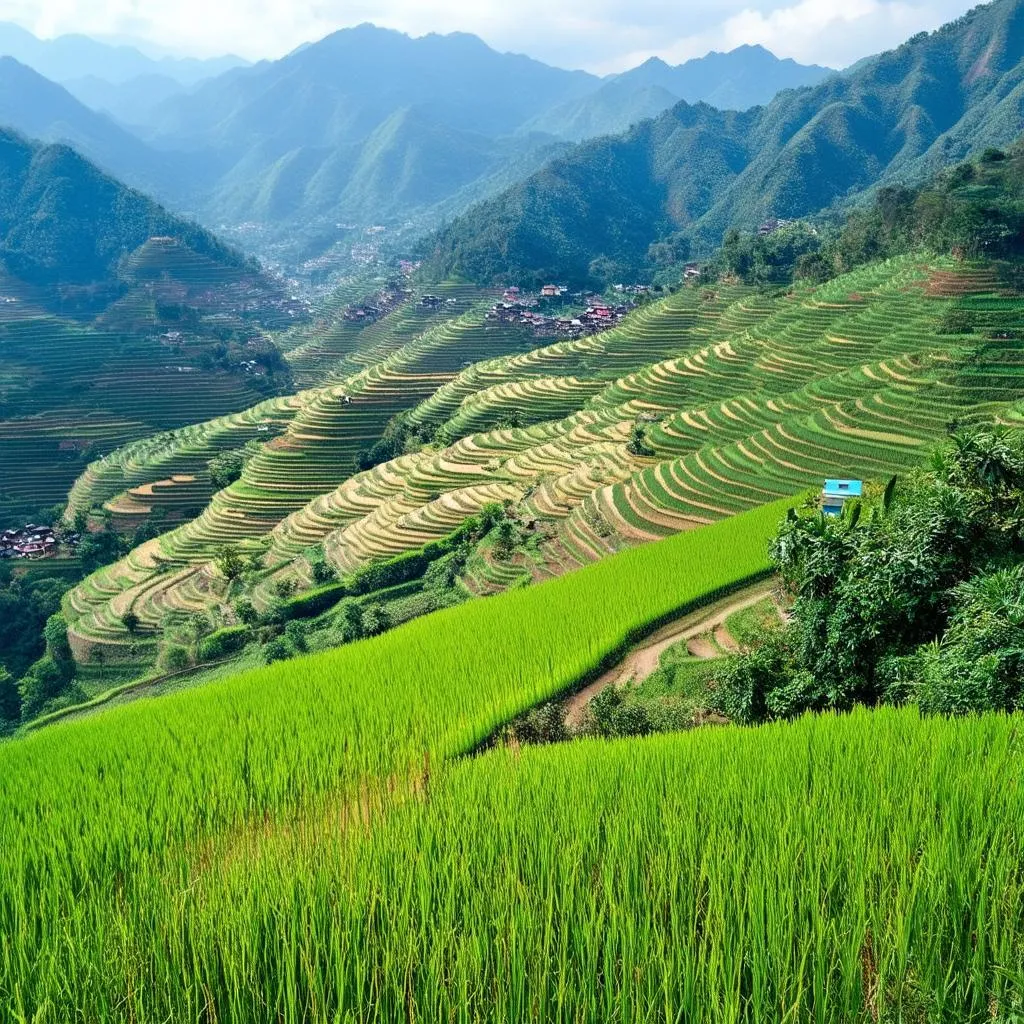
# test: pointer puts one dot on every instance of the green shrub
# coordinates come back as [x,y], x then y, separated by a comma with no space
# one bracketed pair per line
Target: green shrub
[223,642]
[174,658]
[276,650]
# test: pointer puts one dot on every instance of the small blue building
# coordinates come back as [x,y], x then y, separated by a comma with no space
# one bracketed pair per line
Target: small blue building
[837,493]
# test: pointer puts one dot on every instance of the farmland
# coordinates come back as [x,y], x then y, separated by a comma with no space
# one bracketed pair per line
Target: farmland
[740,397]
[186,856]
[73,390]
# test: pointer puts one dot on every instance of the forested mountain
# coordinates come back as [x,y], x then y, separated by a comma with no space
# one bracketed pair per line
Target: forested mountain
[76,56]
[64,222]
[339,90]
[371,125]
[410,162]
[696,171]
[366,126]
[745,77]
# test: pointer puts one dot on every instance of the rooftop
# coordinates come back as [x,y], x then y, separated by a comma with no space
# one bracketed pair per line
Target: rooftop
[843,488]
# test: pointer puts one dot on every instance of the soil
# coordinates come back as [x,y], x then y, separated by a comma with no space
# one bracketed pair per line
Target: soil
[695,628]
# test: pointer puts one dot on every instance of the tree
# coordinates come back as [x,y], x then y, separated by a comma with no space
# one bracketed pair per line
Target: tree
[246,612]
[44,681]
[504,539]
[226,468]
[376,620]
[637,443]
[229,562]
[350,619]
[131,622]
[295,634]
[323,573]
[921,597]
[276,650]
[10,698]
[96,550]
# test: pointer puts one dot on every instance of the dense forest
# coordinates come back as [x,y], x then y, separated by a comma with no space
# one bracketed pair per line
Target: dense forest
[974,210]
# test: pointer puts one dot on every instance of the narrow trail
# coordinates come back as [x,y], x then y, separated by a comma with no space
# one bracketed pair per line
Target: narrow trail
[644,659]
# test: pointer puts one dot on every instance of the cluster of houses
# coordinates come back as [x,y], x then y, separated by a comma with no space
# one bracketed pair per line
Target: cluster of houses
[516,308]
[771,225]
[436,302]
[375,307]
[32,541]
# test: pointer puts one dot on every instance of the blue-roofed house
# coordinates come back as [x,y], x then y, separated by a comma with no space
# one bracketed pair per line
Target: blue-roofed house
[837,493]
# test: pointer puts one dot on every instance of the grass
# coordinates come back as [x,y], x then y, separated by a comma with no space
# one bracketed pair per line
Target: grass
[106,820]
[304,843]
[865,868]
[748,625]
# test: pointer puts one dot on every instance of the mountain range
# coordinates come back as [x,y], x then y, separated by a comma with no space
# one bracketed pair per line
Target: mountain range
[366,126]
[746,77]
[71,57]
[695,171]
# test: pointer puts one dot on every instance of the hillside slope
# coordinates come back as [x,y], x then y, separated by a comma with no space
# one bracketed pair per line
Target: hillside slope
[738,398]
[933,101]
[314,839]
[41,109]
[63,221]
[118,319]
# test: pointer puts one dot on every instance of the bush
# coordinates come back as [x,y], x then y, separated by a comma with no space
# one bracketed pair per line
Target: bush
[246,612]
[375,620]
[174,658]
[323,573]
[544,724]
[276,650]
[223,642]
[350,621]
[295,635]
[615,711]
[314,602]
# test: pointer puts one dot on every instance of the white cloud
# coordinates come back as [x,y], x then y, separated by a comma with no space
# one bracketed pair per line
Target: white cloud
[602,35]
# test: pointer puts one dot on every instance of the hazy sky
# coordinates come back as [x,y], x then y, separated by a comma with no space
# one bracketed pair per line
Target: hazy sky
[600,35]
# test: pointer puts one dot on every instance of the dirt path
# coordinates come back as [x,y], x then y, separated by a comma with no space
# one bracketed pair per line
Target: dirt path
[644,659]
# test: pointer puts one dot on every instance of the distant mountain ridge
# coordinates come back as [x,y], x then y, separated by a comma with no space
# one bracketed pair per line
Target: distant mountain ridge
[41,109]
[697,170]
[71,57]
[748,76]
[369,124]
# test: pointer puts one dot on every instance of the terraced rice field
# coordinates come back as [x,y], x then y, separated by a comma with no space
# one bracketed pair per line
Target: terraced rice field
[309,842]
[744,397]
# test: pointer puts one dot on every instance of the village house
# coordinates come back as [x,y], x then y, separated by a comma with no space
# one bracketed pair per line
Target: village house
[771,225]
[31,541]
[836,493]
